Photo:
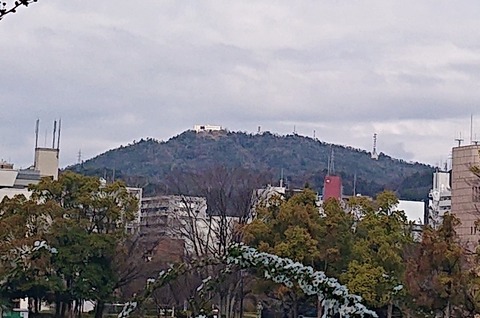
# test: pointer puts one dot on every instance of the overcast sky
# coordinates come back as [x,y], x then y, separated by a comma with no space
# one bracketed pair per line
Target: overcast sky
[117,71]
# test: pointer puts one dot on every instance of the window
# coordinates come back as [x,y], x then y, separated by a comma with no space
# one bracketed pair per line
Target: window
[476,194]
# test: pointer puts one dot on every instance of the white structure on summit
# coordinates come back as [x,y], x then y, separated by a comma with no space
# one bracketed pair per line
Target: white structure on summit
[200,128]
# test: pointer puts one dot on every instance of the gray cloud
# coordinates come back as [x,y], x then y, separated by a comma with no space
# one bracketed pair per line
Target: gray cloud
[118,71]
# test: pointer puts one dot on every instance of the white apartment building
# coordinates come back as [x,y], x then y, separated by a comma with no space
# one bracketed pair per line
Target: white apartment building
[440,198]
[185,217]
[175,216]
[16,181]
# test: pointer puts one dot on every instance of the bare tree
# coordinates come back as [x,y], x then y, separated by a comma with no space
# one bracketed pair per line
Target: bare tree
[7,8]
[229,194]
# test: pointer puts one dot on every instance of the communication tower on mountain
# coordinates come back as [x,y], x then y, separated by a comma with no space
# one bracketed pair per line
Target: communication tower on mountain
[374,152]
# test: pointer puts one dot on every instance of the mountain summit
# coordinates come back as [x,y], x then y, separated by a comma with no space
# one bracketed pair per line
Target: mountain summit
[303,160]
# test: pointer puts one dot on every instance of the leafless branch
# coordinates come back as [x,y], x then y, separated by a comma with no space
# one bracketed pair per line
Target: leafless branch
[6,9]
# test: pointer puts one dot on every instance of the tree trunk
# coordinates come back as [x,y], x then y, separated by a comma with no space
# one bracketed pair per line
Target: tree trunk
[63,309]
[390,309]
[99,309]
[71,309]
[447,310]
[295,309]
[58,304]
[319,307]
[231,306]
[36,305]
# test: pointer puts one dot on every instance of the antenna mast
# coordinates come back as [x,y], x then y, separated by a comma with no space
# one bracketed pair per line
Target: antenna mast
[281,178]
[54,133]
[471,128]
[374,152]
[459,140]
[355,184]
[331,162]
[59,130]
[37,125]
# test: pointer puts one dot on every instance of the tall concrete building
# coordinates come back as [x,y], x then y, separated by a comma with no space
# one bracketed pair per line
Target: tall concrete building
[332,188]
[466,192]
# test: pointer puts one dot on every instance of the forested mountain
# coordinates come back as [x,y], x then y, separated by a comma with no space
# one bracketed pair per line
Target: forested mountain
[148,163]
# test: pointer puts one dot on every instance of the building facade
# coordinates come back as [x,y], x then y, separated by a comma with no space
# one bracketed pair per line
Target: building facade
[177,217]
[332,188]
[439,198]
[466,193]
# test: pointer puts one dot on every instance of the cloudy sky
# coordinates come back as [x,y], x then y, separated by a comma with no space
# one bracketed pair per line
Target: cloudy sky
[117,71]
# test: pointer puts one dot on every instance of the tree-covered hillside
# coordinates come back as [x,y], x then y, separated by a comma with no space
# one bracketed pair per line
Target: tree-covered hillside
[148,163]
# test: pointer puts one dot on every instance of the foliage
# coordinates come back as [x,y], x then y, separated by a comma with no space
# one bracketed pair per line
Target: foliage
[287,229]
[438,273]
[335,238]
[148,163]
[381,236]
[337,300]
[84,221]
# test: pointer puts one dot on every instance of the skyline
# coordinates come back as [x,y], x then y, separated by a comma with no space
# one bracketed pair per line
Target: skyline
[116,72]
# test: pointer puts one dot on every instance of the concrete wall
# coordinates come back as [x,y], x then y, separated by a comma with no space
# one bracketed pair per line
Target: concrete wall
[46,161]
[463,183]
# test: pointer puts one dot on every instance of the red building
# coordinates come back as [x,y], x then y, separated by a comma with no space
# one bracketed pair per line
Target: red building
[332,188]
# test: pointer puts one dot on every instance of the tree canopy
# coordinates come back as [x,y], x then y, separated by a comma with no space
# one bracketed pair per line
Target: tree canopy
[84,222]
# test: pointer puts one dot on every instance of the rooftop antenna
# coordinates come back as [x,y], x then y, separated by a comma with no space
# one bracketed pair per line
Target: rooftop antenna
[459,140]
[355,184]
[471,128]
[328,162]
[331,162]
[281,178]
[54,133]
[475,141]
[37,125]
[59,130]
[374,151]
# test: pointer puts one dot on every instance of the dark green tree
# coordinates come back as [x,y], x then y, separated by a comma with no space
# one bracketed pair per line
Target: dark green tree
[377,266]
[288,229]
[85,221]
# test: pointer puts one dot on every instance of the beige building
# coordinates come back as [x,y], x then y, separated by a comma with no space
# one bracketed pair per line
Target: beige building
[466,192]
[46,162]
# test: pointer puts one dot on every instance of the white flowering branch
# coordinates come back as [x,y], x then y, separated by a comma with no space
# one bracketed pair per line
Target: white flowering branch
[336,299]
[163,278]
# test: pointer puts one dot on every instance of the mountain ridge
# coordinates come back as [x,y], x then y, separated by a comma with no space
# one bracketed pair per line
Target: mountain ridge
[304,160]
